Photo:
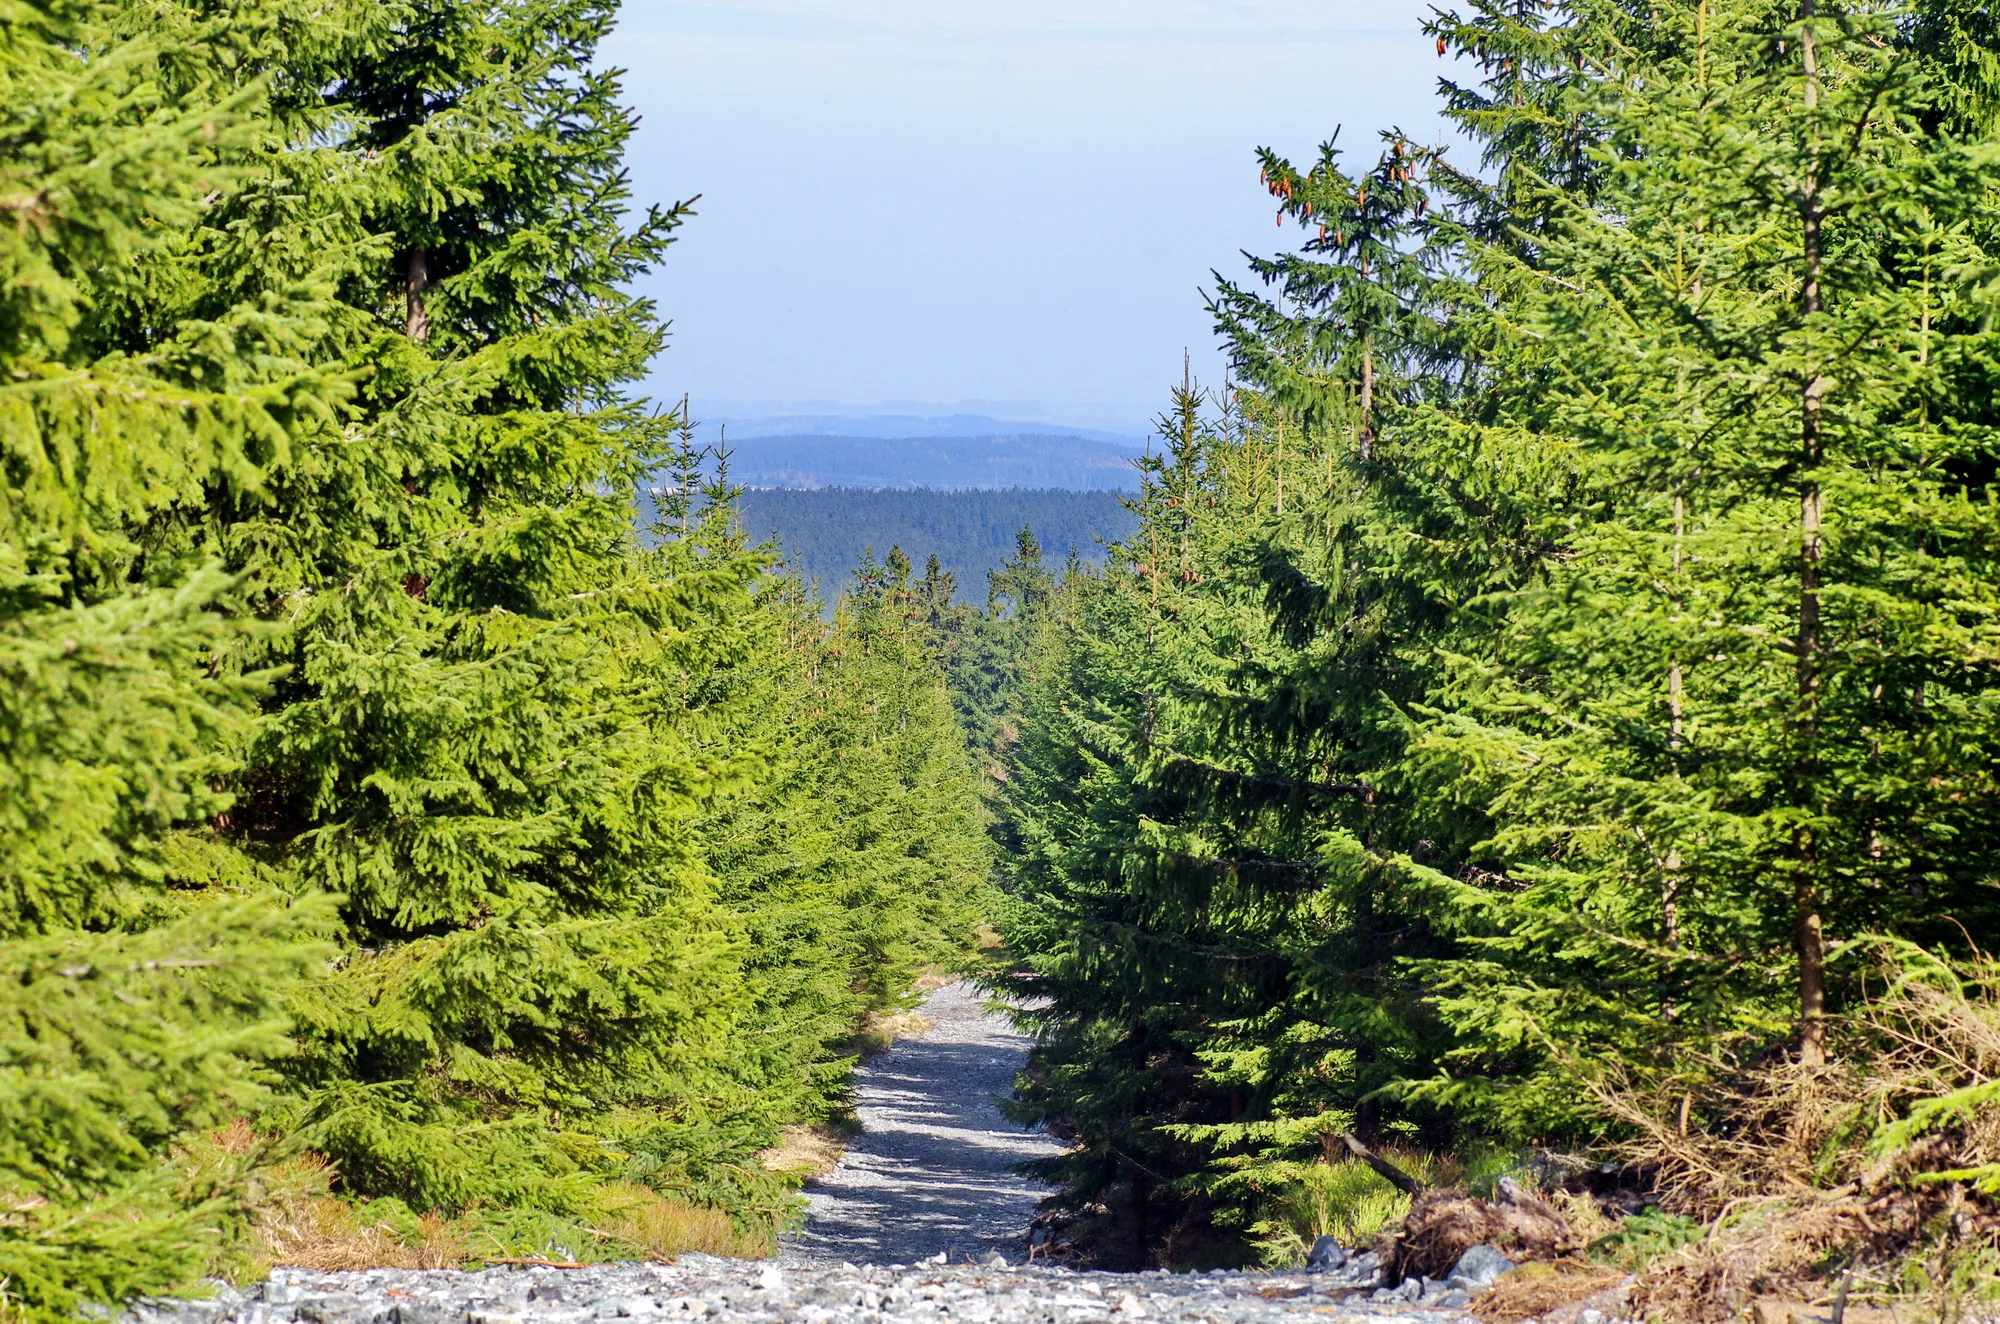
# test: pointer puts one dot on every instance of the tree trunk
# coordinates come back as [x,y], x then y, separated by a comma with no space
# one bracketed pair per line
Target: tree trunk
[1808,931]
[1388,1171]
[1281,465]
[1670,879]
[1367,399]
[416,278]
[1140,1232]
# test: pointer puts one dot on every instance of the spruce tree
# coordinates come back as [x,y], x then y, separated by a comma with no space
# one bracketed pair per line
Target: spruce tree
[859,860]
[497,720]
[1558,654]
[1732,729]
[329,619]
[1180,898]
[139,1007]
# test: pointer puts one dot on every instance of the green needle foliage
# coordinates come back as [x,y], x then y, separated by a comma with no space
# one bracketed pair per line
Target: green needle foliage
[116,1046]
[1563,656]
[138,1009]
[860,860]
[368,783]
[1571,649]
[1735,724]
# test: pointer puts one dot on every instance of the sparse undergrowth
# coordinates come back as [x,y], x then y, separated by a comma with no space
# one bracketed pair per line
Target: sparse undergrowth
[1348,1200]
[806,1152]
[1881,1168]
[1873,1179]
[300,1218]
[1534,1290]
[325,1232]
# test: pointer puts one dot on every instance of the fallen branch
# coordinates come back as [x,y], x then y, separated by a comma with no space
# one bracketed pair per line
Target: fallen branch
[1392,1174]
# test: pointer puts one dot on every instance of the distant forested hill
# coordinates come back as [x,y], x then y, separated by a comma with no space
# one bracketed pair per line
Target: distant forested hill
[1028,460]
[759,423]
[824,531]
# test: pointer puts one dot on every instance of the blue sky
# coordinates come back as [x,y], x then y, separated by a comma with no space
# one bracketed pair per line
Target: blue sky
[998,208]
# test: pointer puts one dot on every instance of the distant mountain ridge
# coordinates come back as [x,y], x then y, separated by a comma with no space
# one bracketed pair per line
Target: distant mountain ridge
[906,426]
[943,462]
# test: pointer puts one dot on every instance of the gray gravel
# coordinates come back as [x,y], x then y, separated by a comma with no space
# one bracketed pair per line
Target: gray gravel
[702,1287]
[932,1170]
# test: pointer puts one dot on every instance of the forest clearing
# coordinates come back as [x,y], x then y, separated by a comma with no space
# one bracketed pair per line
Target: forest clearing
[1527,779]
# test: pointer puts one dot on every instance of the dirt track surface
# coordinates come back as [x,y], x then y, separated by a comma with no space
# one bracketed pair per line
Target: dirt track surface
[932,1170]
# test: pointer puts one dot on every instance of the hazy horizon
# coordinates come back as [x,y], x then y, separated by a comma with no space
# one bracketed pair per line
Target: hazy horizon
[919,418]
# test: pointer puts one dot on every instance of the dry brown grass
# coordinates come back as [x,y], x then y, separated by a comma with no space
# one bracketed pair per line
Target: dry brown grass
[664,1228]
[329,1234]
[300,1222]
[326,1233]
[1584,1214]
[1535,1290]
[879,1031]
[1445,1223]
[297,1220]
[1792,1166]
[805,1152]
[1771,1310]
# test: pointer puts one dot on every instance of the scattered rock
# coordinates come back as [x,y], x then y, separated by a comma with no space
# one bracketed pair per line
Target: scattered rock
[1768,1310]
[343,1310]
[1444,1224]
[705,1290]
[1479,1268]
[1564,1298]
[425,1312]
[1326,1255]
[1410,1290]
[932,1171]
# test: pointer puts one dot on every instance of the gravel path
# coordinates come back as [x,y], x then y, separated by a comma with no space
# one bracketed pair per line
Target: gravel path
[891,1238]
[932,1170]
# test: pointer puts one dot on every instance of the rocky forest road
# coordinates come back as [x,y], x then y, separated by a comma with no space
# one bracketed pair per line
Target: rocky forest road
[923,1222]
[702,1287]
[932,1171]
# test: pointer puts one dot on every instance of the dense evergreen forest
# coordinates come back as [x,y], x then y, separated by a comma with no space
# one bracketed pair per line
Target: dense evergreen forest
[404,859]
[824,534]
[1544,724]
[1537,727]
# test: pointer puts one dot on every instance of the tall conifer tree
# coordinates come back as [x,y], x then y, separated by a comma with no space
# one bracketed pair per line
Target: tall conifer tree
[1622,666]
[1759,659]
[138,1007]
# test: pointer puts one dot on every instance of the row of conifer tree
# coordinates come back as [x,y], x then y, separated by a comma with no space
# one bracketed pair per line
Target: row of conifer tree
[371,785]
[1560,672]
